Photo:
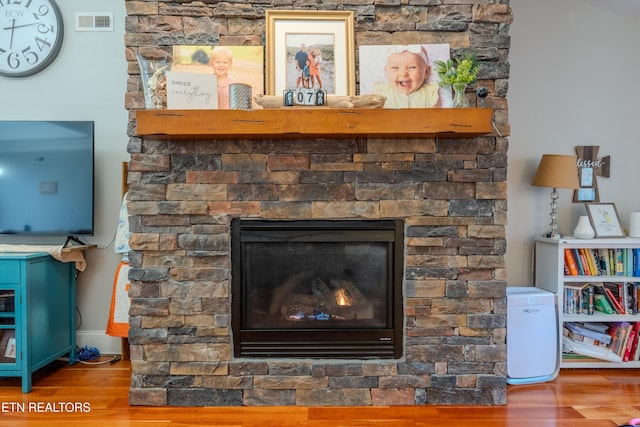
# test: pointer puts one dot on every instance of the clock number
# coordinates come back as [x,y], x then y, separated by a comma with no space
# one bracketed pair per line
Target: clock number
[30,56]
[44,29]
[42,11]
[42,43]
[13,61]
[16,2]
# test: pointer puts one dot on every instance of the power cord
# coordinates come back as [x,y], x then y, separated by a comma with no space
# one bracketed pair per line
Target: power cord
[87,353]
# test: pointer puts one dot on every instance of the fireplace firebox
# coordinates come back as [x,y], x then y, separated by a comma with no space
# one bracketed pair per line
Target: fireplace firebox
[317,288]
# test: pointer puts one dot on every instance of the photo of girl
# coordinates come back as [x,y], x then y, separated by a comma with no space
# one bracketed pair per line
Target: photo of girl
[404,75]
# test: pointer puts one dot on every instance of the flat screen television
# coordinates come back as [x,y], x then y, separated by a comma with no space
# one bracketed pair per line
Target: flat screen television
[47,178]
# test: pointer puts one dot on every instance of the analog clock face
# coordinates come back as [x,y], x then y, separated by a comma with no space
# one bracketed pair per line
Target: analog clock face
[31,34]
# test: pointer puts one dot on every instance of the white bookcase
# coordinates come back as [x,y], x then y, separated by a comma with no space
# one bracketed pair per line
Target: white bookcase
[550,275]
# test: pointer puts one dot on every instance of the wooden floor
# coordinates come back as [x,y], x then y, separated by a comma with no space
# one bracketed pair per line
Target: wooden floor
[96,396]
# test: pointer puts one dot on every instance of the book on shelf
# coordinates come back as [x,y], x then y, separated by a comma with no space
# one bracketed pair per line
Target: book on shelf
[603,258]
[622,344]
[607,294]
[602,262]
[619,261]
[616,292]
[578,329]
[570,262]
[596,326]
[632,338]
[591,261]
[635,351]
[598,352]
[578,298]
[602,305]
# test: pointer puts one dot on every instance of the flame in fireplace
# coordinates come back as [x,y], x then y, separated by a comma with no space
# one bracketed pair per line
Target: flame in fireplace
[342,299]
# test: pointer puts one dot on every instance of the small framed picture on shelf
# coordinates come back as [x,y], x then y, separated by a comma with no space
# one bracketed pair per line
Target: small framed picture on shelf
[604,219]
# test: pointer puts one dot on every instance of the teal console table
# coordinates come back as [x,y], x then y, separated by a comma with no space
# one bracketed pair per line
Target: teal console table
[37,313]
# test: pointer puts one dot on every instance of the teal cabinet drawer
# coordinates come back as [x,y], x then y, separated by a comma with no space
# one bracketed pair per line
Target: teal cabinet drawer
[9,271]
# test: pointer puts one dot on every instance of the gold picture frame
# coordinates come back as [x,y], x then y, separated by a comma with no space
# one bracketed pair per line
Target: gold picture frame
[329,32]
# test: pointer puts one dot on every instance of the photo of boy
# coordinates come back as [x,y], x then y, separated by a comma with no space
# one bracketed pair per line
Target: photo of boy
[230,64]
[403,74]
[220,61]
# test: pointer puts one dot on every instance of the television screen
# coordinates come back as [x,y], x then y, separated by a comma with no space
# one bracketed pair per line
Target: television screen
[46,177]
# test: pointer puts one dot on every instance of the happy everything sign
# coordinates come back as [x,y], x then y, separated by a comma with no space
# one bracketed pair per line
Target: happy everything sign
[191,91]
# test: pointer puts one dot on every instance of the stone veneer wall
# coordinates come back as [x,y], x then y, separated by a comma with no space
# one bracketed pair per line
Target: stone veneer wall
[451,194]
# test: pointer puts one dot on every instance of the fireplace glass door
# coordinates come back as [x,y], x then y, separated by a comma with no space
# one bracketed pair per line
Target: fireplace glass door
[317,288]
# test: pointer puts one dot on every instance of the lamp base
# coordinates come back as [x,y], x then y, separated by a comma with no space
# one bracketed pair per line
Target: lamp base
[552,235]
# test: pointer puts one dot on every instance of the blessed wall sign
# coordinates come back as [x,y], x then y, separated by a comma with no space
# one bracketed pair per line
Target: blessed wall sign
[589,168]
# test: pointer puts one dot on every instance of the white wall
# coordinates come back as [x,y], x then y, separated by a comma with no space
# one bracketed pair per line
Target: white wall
[86,82]
[572,83]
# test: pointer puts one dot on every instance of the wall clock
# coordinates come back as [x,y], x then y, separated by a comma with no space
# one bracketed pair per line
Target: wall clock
[31,33]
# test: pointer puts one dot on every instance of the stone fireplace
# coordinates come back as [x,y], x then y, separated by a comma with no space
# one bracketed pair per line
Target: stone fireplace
[447,189]
[319,289]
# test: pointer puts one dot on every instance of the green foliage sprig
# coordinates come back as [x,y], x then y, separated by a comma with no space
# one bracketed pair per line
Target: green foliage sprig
[464,70]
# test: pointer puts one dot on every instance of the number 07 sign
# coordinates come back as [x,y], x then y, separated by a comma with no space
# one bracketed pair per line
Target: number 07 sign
[307,97]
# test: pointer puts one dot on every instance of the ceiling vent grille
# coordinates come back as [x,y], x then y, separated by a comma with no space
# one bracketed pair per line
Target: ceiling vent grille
[98,21]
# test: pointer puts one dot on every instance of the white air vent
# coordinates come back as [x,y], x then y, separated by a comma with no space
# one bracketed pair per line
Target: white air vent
[94,21]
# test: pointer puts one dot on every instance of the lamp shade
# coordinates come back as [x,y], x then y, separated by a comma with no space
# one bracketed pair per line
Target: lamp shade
[557,171]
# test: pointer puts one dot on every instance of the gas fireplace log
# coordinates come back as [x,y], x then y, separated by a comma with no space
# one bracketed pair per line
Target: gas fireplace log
[282,292]
[300,306]
[319,288]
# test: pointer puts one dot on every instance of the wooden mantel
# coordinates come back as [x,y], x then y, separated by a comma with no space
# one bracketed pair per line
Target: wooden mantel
[325,122]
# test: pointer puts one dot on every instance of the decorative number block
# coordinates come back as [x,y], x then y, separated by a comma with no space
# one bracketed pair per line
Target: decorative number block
[308,97]
[288,98]
[321,98]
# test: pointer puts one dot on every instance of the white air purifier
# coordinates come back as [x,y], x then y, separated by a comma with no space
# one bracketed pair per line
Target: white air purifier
[533,345]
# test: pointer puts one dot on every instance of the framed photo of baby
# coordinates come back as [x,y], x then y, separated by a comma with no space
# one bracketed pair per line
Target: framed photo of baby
[310,50]
[404,74]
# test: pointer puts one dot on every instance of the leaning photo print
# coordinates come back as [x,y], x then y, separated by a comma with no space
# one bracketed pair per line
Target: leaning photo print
[404,74]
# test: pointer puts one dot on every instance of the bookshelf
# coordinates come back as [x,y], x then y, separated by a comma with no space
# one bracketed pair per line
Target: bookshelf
[550,275]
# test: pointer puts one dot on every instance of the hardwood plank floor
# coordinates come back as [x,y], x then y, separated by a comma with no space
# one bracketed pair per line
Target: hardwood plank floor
[96,396]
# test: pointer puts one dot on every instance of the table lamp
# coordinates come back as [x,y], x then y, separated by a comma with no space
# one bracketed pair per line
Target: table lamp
[556,171]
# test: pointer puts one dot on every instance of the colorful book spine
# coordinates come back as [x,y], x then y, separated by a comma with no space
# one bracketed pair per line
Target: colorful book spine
[620,262]
[613,300]
[603,256]
[570,262]
[588,301]
[632,338]
[576,256]
[612,262]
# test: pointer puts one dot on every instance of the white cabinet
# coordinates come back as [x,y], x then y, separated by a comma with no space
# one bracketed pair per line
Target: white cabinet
[550,275]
